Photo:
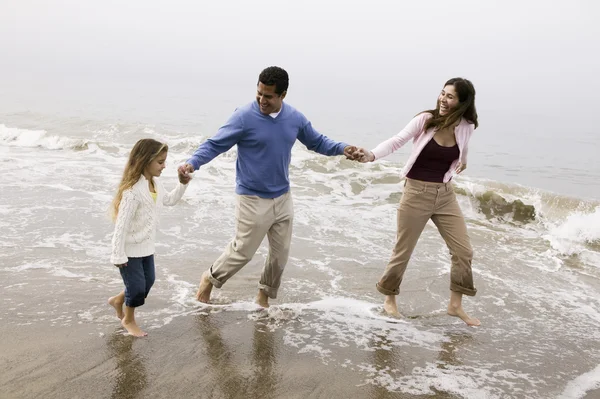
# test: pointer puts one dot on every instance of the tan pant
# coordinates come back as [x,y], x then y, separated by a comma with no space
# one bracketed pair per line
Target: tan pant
[420,202]
[255,218]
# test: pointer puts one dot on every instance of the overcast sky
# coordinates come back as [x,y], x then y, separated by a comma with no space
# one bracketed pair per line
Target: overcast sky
[516,52]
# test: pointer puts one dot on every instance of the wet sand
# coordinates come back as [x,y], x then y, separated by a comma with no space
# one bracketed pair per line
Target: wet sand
[207,355]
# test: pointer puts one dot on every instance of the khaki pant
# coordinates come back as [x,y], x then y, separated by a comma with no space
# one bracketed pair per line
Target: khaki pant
[255,218]
[420,202]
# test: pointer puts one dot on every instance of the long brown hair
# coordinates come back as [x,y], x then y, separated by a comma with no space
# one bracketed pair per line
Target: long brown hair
[141,155]
[465,109]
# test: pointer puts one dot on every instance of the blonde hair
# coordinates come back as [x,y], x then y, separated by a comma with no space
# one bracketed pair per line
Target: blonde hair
[142,154]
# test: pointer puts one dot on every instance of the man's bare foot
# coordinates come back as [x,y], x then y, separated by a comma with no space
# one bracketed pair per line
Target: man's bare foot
[459,312]
[132,328]
[390,307]
[203,294]
[117,303]
[262,299]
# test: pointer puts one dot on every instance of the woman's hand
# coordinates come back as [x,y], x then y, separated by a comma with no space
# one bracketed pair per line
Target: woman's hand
[460,167]
[363,156]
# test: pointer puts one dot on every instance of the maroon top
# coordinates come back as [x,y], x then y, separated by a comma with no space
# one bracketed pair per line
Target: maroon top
[433,162]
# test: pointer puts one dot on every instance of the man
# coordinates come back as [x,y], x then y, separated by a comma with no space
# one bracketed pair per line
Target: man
[264,131]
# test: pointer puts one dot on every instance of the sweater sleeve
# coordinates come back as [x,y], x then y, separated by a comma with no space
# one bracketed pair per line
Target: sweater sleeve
[127,207]
[465,149]
[317,142]
[414,127]
[171,198]
[228,135]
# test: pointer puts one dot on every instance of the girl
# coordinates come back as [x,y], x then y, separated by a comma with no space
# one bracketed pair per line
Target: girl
[135,209]
[440,140]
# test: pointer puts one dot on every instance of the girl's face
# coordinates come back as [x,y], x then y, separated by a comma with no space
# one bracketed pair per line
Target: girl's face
[448,100]
[157,165]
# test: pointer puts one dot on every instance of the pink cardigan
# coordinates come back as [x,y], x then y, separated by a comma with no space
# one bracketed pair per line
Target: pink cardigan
[414,130]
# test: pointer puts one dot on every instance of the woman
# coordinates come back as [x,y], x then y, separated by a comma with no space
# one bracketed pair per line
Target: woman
[440,140]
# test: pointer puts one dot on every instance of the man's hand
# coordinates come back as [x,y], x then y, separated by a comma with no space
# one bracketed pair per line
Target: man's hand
[183,173]
[349,151]
[460,167]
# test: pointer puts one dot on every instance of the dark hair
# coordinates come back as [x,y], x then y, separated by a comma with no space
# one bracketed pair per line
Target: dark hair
[465,109]
[275,76]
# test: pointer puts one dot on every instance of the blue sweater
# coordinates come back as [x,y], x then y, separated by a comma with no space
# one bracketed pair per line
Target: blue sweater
[264,148]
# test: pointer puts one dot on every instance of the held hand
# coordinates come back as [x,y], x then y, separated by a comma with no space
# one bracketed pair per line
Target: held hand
[123,265]
[185,168]
[183,178]
[363,155]
[460,167]
[349,150]
[183,173]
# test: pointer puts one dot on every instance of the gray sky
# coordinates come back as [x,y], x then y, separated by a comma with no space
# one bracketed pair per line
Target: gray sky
[516,52]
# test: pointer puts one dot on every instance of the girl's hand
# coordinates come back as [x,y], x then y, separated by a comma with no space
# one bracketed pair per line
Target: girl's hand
[460,167]
[123,265]
[184,173]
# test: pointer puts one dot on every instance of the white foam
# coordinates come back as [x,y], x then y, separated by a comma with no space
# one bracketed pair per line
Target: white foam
[570,236]
[15,137]
[584,383]
[463,381]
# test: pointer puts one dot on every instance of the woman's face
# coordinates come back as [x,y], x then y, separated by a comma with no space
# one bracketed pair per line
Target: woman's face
[448,100]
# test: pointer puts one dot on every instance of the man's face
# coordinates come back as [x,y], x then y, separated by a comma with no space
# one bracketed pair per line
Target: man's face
[268,101]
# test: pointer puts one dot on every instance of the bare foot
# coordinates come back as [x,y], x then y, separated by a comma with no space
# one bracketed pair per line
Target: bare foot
[117,303]
[203,294]
[459,312]
[390,307]
[132,328]
[262,299]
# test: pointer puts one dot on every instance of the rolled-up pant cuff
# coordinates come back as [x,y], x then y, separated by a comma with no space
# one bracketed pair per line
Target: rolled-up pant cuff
[463,290]
[385,291]
[270,291]
[134,304]
[216,283]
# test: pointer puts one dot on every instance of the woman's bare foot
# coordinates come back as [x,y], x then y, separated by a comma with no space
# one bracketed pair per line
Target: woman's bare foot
[262,299]
[203,294]
[132,328]
[459,312]
[390,307]
[455,309]
[117,303]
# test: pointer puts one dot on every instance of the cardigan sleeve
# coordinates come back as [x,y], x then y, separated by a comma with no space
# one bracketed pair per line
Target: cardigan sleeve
[414,127]
[465,149]
[171,198]
[127,208]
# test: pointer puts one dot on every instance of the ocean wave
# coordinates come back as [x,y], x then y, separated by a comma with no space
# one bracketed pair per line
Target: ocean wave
[578,232]
[494,205]
[570,225]
[15,137]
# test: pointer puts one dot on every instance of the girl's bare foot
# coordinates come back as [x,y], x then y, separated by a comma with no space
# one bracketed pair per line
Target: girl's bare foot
[132,328]
[203,294]
[117,303]
[262,299]
[390,307]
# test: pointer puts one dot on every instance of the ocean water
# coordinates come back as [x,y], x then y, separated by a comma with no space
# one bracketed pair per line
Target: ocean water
[534,221]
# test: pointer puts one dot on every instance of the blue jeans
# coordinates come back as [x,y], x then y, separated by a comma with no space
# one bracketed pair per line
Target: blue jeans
[138,277]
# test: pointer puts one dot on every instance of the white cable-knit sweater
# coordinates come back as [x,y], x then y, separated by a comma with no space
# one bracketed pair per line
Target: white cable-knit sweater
[135,227]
